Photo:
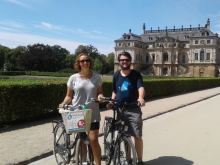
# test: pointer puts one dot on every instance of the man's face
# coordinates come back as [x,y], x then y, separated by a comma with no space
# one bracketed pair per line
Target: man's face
[124,63]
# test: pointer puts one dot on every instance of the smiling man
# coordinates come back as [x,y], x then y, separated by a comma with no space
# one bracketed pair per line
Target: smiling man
[128,87]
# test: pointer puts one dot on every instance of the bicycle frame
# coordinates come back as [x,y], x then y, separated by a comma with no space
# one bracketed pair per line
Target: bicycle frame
[118,146]
[116,125]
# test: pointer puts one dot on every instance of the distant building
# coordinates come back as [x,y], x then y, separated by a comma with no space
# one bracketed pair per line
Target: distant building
[192,51]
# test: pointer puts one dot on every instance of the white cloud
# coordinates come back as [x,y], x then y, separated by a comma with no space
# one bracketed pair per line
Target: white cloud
[96,35]
[48,26]
[91,35]
[13,40]
[9,25]
[19,3]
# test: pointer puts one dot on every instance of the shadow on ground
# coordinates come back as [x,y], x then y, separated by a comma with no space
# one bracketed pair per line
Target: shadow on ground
[169,160]
[26,124]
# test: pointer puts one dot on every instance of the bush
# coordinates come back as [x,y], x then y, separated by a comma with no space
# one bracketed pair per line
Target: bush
[25,100]
[28,99]
[12,73]
[54,74]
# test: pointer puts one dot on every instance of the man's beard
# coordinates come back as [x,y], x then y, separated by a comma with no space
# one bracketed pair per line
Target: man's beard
[125,68]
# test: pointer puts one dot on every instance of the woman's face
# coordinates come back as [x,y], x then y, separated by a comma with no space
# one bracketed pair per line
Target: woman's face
[84,62]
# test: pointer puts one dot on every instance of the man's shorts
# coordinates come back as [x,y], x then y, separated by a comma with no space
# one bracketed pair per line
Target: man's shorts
[133,119]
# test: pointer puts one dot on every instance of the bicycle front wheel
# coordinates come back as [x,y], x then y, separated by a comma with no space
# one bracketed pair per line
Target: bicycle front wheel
[125,152]
[108,137]
[83,153]
[61,142]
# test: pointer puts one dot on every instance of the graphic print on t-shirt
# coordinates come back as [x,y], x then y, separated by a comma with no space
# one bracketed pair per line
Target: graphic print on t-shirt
[125,85]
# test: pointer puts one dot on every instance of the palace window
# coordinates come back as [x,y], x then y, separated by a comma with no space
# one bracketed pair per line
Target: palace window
[165,71]
[165,56]
[202,42]
[202,55]
[196,41]
[208,41]
[147,58]
[208,56]
[196,56]
[153,57]
[183,60]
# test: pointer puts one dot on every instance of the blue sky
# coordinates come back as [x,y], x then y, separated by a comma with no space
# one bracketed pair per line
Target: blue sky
[69,23]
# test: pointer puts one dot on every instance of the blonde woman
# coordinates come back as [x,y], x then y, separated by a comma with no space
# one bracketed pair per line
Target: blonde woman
[81,87]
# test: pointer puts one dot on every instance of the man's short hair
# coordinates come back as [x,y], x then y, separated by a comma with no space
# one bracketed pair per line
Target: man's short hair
[124,54]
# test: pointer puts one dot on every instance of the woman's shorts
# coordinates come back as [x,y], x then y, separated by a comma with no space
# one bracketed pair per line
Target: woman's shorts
[95,126]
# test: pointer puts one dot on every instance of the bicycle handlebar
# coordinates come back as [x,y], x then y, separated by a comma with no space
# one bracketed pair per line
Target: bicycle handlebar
[69,108]
[113,101]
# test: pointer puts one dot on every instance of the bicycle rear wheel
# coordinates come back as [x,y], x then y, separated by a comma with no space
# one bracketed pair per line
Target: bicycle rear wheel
[125,152]
[61,142]
[83,153]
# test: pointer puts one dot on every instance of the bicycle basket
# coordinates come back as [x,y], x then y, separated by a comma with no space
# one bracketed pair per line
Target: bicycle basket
[77,121]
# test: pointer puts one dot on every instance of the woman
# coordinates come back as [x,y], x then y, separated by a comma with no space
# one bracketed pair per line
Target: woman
[81,87]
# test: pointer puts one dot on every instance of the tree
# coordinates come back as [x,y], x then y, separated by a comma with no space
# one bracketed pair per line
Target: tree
[3,55]
[91,50]
[97,65]
[69,61]
[15,58]
[45,58]
[59,55]
[110,61]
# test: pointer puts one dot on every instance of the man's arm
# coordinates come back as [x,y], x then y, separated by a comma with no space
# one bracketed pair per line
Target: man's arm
[113,95]
[141,93]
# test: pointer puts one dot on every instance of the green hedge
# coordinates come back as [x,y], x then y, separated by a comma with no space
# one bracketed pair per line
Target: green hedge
[53,74]
[27,99]
[166,87]
[12,73]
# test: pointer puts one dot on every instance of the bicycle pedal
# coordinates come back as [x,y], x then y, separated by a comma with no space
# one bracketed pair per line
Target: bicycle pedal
[73,161]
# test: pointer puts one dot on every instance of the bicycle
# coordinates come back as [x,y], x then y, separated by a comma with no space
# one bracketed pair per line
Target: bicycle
[67,149]
[118,145]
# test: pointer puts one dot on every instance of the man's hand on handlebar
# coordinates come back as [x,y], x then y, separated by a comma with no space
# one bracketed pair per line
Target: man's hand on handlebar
[141,102]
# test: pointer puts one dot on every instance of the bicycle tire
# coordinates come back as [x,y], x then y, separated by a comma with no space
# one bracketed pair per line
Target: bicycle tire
[107,142]
[86,153]
[61,142]
[121,152]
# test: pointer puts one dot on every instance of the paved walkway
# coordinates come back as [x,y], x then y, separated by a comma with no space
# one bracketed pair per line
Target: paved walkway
[25,143]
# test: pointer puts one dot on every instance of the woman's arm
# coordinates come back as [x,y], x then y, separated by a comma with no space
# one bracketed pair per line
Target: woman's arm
[68,97]
[100,93]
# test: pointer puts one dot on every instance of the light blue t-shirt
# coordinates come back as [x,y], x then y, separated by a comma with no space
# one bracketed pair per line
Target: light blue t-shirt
[84,90]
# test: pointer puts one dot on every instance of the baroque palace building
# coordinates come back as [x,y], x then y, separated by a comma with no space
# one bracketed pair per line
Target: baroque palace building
[187,52]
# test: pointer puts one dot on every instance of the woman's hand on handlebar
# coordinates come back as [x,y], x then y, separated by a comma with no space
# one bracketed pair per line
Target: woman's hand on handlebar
[61,105]
[101,98]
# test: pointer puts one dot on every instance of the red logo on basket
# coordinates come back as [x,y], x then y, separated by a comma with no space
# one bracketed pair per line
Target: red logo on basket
[81,123]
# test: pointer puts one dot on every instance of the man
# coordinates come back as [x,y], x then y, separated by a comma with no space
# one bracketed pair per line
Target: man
[128,87]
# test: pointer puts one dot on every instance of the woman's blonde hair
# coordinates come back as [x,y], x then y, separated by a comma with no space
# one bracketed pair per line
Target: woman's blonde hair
[77,61]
